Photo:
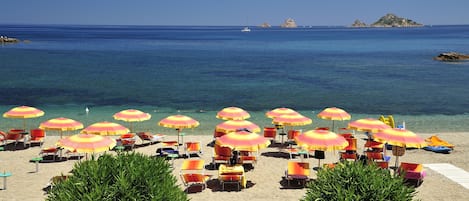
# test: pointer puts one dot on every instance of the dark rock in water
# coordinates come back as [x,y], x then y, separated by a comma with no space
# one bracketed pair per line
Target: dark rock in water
[451,56]
[391,20]
[358,23]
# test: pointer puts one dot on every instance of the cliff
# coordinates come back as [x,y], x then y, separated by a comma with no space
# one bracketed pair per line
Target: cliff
[391,20]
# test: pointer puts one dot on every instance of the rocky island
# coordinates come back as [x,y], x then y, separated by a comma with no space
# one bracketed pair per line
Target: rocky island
[389,20]
[289,23]
[451,57]
[265,25]
[5,39]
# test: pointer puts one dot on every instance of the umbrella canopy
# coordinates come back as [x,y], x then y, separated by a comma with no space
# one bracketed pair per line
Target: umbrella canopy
[23,112]
[234,125]
[243,141]
[87,143]
[323,140]
[233,113]
[334,113]
[105,128]
[61,124]
[368,125]
[294,119]
[131,115]
[399,137]
[178,122]
[279,111]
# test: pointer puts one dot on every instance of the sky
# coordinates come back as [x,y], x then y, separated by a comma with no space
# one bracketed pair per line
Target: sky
[230,12]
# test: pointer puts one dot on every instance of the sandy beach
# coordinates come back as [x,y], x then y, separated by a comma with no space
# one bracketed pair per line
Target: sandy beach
[264,181]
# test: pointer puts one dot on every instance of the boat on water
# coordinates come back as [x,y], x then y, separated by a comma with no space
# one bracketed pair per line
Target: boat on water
[246,29]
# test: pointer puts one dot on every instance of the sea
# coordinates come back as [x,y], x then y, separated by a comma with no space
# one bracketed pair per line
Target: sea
[199,70]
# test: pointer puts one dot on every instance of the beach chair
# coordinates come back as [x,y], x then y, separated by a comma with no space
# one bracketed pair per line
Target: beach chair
[292,134]
[126,140]
[15,135]
[49,152]
[298,171]
[3,136]
[247,157]
[37,136]
[146,136]
[270,133]
[373,156]
[192,148]
[232,174]
[348,156]
[221,155]
[192,174]
[217,134]
[350,151]
[412,171]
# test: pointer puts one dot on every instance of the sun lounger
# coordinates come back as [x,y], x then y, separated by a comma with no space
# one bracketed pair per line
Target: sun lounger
[298,171]
[192,148]
[37,136]
[232,174]
[221,155]
[192,174]
[146,136]
[412,171]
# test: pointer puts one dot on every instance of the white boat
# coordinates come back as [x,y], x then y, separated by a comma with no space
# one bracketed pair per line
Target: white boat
[246,29]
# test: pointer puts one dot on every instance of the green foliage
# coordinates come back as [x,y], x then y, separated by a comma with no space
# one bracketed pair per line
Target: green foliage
[127,176]
[355,181]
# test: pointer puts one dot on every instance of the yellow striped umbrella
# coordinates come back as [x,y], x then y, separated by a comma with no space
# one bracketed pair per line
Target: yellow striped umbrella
[178,122]
[233,113]
[87,143]
[23,112]
[334,114]
[105,128]
[280,111]
[131,115]
[61,124]
[234,125]
[368,125]
[399,137]
[292,120]
[243,141]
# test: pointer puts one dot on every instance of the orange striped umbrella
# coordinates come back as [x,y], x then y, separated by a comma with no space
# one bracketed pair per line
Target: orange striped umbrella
[292,120]
[23,112]
[233,113]
[234,125]
[61,124]
[280,111]
[87,143]
[399,137]
[243,141]
[323,140]
[105,128]
[131,115]
[334,114]
[178,122]
[368,125]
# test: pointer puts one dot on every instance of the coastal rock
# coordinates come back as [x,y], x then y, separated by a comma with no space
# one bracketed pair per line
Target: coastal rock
[265,25]
[289,23]
[5,39]
[358,23]
[451,56]
[391,20]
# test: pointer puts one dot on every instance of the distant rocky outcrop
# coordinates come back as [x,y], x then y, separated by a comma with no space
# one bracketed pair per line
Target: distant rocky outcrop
[391,20]
[451,56]
[5,39]
[289,23]
[265,25]
[358,23]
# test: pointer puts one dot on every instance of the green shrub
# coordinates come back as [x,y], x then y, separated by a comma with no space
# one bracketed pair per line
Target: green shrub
[127,176]
[356,181]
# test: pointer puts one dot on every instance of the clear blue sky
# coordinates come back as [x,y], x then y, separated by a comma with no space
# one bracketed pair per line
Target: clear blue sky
[229,12]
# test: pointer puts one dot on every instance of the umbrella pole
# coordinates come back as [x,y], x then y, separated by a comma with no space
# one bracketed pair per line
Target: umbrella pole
[24,124]
[333,126]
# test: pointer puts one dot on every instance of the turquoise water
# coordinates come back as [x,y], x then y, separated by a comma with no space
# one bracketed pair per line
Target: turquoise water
[166,69]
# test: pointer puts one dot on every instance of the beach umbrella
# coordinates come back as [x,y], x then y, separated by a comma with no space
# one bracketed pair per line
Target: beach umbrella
[243,141]
[131,115]
[61,124]
[280,111]
[233,113]
[234,125]
[294,119]
[334,114]
[105,128]
[178,122]
[323,140]
[401,138]
[87,143]
[23,112]
[368,125]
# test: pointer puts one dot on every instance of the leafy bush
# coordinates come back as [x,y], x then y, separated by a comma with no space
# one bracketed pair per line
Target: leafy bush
[127,176]
[356,181]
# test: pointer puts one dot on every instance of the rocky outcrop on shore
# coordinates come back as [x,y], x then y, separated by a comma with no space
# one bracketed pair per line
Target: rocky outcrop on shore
[358,23]
[289,23]
[265,25]
[391,20]
[451,57]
